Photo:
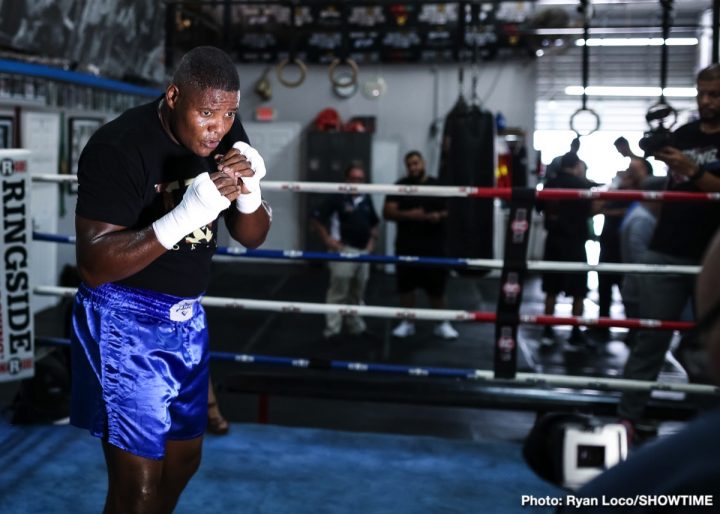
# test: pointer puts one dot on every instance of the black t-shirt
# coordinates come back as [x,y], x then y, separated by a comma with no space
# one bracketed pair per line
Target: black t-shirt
[420,237]
[684,229]
[356,219]
[130,174]
[566,218]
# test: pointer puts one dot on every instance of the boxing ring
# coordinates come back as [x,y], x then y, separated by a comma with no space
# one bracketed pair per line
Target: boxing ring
[503,386]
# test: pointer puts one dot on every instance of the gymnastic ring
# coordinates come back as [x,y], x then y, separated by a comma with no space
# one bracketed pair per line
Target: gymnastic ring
[581,110]
[336,81]
[281,67]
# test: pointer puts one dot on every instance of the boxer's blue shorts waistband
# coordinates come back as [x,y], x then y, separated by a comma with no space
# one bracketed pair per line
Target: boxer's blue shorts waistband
[142,301]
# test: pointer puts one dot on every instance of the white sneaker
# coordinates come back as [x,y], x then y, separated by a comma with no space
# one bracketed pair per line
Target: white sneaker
[404,329]
[446,330]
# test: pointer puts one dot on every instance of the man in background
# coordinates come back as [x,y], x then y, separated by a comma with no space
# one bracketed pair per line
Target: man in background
[688,462]
[420,232]
[555,165]
[623,147]
[348,224]
[566,223]
[681,236]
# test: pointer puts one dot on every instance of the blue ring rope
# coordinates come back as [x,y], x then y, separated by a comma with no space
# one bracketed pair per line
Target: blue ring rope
[301,255]
[292,362]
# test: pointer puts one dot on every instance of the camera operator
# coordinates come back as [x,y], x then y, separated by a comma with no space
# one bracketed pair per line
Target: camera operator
[684,464]
[682,233]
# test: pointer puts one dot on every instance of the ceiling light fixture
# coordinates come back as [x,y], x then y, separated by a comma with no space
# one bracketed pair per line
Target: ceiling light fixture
[674,92]
[638,41]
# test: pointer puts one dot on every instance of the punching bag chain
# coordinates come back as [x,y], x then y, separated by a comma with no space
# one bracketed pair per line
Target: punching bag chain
[667,6]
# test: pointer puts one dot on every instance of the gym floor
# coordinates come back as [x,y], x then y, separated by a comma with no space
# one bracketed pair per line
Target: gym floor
[445,443]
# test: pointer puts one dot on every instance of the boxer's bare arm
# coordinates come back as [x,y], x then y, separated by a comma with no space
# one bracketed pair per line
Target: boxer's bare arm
[107,253]
[250,230]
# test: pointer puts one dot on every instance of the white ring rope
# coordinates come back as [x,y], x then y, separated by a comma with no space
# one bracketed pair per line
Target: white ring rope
[531,379]
[323,187]
[304,307]
[610,267]
[619,384]
[448,191]
[396,313]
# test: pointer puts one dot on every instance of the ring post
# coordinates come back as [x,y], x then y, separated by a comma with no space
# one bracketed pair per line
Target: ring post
[16,318]
[514,270]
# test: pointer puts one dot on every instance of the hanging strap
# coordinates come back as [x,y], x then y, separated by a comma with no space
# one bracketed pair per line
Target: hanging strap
[662,114]
[343,57]
[715,31]
[666,10]
[585,50]
[292,55]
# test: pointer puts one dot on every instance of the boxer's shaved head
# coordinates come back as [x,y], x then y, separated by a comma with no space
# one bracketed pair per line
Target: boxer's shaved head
[207,67]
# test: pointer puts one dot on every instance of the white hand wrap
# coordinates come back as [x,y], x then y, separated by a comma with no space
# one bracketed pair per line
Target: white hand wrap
[249,202]
[200,205]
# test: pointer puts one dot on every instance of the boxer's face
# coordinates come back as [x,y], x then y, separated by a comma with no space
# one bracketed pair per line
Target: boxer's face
[199,119]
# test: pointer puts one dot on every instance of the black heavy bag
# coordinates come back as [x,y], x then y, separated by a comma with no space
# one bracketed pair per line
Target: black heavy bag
[468,159]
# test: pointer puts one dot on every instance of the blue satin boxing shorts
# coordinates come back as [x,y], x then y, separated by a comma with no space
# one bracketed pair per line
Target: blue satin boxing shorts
[139,366]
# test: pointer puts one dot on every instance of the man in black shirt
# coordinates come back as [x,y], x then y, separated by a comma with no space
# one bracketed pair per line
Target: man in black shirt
[681,236]
[420,232]
[566,223]
[555,165]
[152,184]
[347,223]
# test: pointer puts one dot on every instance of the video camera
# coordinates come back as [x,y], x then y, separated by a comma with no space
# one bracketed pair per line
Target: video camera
[660,134]
[570,449]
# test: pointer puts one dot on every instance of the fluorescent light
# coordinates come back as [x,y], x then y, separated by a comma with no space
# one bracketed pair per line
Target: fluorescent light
[638,41]
[681,41]
[574,3]
[612,91]
[684,92]
[649,91]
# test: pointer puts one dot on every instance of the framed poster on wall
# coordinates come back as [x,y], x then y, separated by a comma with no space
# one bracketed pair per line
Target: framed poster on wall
[80,131]
[6,132]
